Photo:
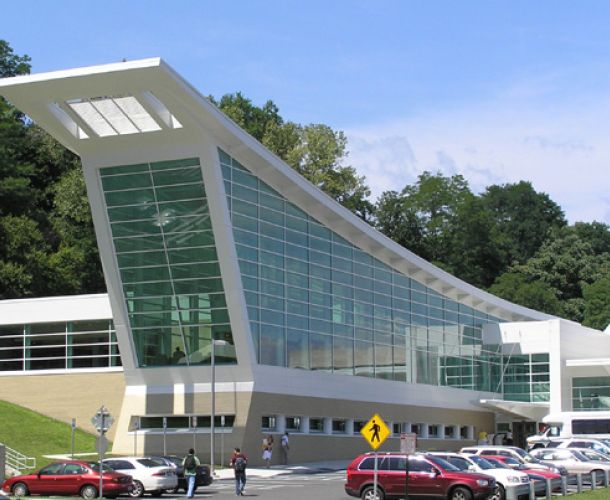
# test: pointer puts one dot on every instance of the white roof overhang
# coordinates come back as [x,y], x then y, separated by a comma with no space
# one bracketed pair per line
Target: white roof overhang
[517,409]
[39,96]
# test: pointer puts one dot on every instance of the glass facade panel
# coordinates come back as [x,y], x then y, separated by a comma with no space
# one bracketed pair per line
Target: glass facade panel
[336,308]
[168,263]
[590,393]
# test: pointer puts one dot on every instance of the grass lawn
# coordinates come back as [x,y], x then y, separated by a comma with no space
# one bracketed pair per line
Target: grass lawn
[35,435]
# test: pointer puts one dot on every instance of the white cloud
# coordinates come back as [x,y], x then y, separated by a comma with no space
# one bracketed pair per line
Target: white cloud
[564,152]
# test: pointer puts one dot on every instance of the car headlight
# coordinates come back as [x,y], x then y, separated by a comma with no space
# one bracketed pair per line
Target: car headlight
[483,482]
[513,479]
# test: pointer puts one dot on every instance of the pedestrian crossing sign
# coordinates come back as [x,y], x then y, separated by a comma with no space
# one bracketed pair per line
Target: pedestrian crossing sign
[375,431]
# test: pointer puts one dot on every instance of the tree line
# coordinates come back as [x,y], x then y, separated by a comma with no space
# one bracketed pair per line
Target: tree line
[509,239]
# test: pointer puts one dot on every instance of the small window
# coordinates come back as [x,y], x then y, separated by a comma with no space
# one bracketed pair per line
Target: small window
[316,425]
[293,424]
[398,463]
[398,428]
[268,422]
[463,432]
[449,431]
[433,431]
[339,426]
[417,429]
[358,425]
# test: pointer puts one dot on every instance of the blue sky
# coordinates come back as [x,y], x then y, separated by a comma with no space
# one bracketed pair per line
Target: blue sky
[497,91]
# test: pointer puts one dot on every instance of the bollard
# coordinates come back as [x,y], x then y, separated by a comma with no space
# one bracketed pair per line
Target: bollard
[532,490]
[579,483]
[549,489]
[564,485]
[593,480]
[511,493]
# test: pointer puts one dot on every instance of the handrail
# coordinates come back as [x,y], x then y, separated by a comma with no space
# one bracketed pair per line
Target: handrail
[18,461]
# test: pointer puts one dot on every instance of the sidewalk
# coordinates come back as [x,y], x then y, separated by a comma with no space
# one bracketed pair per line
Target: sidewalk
[278,470]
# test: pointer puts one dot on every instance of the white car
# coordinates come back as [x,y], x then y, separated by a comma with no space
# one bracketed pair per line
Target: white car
[475,463]
[148,475]
[573,460]
[599,445]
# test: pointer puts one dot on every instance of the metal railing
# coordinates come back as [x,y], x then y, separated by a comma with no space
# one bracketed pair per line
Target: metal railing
[573,483]
[18,461]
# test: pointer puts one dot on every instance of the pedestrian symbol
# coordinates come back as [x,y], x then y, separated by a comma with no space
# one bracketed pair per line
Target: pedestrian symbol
[375,431]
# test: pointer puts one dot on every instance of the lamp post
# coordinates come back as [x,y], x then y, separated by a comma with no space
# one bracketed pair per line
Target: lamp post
[213,394]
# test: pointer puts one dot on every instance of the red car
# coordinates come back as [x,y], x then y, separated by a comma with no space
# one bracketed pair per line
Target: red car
[429,477]
[72,477]
[515,464]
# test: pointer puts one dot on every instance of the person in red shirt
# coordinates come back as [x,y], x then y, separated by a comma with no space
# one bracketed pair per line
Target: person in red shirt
[239,462]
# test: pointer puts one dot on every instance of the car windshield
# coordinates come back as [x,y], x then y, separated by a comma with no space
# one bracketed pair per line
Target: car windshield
[147,462]
[497,464]
[481,462]
[443,464]
[95,466]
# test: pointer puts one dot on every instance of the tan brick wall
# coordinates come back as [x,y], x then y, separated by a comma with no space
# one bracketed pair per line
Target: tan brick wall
[67,396]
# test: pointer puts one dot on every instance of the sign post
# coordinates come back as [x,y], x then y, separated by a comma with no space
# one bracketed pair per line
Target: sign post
[73,432]
[136,427]
[102,421]
[164,436]
[375,432]
[408,444]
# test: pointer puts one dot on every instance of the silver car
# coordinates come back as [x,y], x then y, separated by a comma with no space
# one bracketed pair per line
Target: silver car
[573,460]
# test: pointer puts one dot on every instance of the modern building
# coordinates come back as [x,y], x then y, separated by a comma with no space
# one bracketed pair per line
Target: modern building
[244,301]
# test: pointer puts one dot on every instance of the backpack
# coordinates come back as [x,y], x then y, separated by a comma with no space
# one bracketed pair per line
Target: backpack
[189,463]
[240,464]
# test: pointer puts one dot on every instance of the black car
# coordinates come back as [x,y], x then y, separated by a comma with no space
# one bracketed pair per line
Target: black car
[203,477]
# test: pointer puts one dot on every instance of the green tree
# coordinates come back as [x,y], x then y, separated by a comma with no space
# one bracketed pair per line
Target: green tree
[597,304]
[316,151]
[523,219]
[12,64]
[523,290]
[399,222]
[435,199]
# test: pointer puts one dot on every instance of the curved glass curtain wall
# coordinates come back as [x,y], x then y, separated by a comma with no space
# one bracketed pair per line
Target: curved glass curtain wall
[317,302]
[165,250]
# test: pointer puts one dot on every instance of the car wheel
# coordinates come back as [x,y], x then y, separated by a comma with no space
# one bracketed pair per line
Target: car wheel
[461,494]
[369,494]
[88,492]
[499,494]
[137,490]
[20,490]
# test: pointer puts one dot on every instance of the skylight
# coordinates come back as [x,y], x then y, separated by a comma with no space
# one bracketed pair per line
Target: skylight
[108,116]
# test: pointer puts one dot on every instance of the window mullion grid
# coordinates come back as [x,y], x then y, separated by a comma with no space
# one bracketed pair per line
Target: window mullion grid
[169,269]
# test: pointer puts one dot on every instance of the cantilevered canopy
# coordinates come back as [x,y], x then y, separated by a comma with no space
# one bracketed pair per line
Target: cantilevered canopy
[141,105]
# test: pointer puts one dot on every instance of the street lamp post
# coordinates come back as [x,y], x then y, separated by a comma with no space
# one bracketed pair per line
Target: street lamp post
[213,394]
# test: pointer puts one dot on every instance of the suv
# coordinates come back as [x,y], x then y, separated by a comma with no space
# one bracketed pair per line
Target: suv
[475,463]
[516,453]
[429,476]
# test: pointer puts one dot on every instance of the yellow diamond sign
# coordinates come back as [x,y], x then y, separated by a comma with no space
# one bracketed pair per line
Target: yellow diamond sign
[375,431]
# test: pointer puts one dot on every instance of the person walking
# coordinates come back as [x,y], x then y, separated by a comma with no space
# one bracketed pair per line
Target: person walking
[239,462]
[285,442]
[267,450]
[190,464]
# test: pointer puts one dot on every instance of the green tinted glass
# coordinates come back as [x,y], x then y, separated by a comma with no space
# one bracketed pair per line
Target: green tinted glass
[167,260]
